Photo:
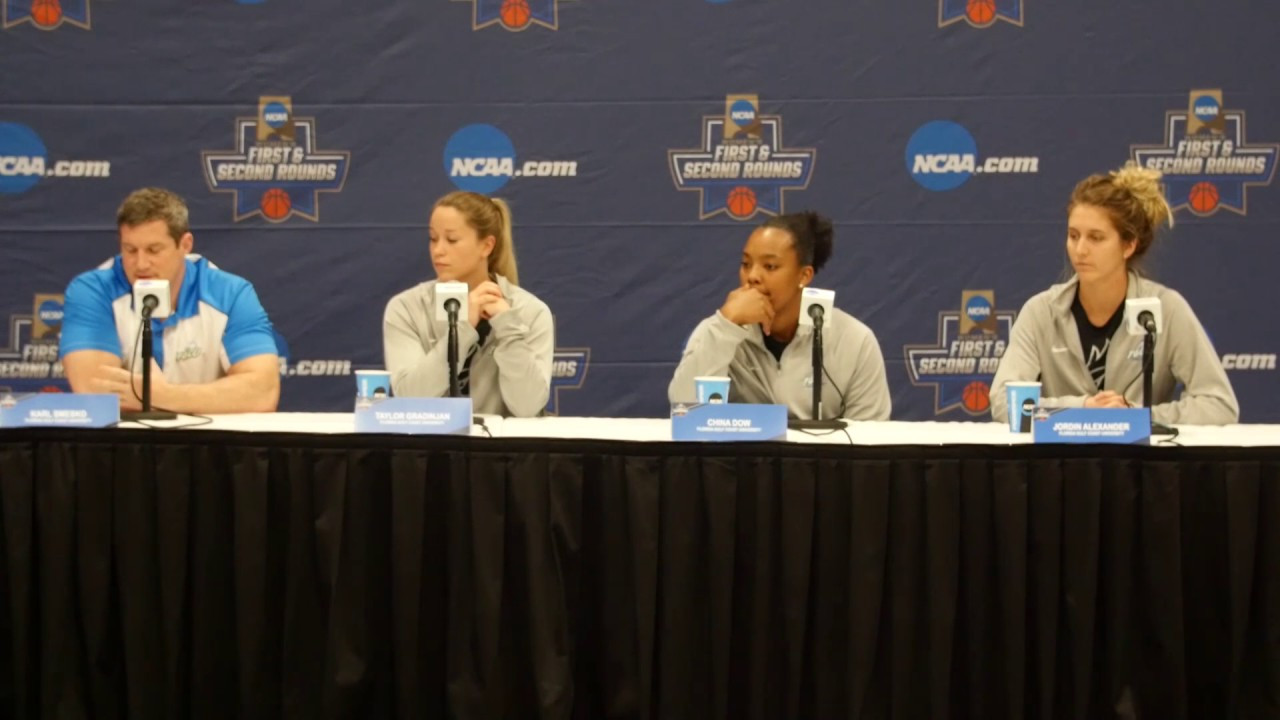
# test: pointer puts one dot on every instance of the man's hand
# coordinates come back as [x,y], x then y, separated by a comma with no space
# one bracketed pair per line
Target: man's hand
[128,385]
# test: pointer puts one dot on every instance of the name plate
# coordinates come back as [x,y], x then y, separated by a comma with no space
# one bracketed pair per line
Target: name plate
[728,422]
[1127,426]
[415,416]
[59,410]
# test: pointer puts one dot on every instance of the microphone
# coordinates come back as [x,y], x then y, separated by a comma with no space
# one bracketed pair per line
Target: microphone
[451,297]
[1143,316]
[815,304]
[451,303]
[151,297]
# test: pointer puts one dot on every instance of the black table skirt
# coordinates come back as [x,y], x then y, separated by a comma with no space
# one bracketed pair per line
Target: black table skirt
[220,575]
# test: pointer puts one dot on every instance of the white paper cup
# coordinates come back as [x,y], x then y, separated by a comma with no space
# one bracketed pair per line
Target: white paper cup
[1023,399]
[373,383]
[712,389]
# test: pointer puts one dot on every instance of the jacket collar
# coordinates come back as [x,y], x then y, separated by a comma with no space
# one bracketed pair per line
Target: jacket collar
[755,334]
[1122,368]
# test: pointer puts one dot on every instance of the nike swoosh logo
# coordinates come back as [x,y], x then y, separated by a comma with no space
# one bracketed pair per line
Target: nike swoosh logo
[1060,349]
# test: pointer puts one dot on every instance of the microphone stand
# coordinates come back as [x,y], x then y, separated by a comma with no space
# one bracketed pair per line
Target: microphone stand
[1148,371]
[816,423]
[451,307]
[147,354]
[1148,366]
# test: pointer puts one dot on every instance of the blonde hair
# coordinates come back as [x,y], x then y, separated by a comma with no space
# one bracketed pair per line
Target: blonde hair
[1134,200]
[151,203]
[488,216]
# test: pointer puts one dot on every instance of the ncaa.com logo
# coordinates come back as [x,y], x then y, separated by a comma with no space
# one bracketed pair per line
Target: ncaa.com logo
[481,158]
[291,367]
[1249,361]
[24,161]
[942,155]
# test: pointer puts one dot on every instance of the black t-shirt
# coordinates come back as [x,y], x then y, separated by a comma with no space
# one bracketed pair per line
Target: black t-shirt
[1095,341]
[464,373]
[775,346]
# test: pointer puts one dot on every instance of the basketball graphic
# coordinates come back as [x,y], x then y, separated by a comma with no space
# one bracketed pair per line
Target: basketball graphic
[515,13]
[742,202]
[981,12]
[1204,198]
[975,397]
[276,204]
[46,13]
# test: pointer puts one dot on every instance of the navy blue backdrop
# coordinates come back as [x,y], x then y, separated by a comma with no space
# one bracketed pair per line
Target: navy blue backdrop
[638,143]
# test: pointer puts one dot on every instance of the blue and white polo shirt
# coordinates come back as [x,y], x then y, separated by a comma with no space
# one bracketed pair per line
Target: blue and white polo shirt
[218,321]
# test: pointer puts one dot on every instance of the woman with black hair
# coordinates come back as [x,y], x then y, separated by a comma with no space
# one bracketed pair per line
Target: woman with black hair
[755,338]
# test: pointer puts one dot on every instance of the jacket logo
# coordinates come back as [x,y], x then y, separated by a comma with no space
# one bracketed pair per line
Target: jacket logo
[190,352]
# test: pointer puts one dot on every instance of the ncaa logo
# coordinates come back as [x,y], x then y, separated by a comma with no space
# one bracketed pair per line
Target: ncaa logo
[941,155]
[978,309]
[481,158]
[1206,108]
[46,321]
[50,313]
[742,113]
[22,158]
[275,115]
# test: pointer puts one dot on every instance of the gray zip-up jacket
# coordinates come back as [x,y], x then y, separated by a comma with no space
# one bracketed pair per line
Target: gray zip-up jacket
[1045,346]
[511,372]
[850,355]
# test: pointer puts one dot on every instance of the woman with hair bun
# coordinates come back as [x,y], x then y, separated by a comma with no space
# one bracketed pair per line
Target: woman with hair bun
[507,340]
[755,338]
[1068,336]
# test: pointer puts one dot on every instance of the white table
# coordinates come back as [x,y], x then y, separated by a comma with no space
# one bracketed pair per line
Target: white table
[659,430]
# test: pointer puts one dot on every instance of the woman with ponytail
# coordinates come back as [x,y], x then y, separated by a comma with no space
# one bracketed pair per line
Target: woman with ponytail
[1068,336]
[755,338]
[506,344]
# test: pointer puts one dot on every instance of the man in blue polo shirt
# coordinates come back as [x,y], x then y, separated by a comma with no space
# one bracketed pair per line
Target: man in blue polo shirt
[215,354]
